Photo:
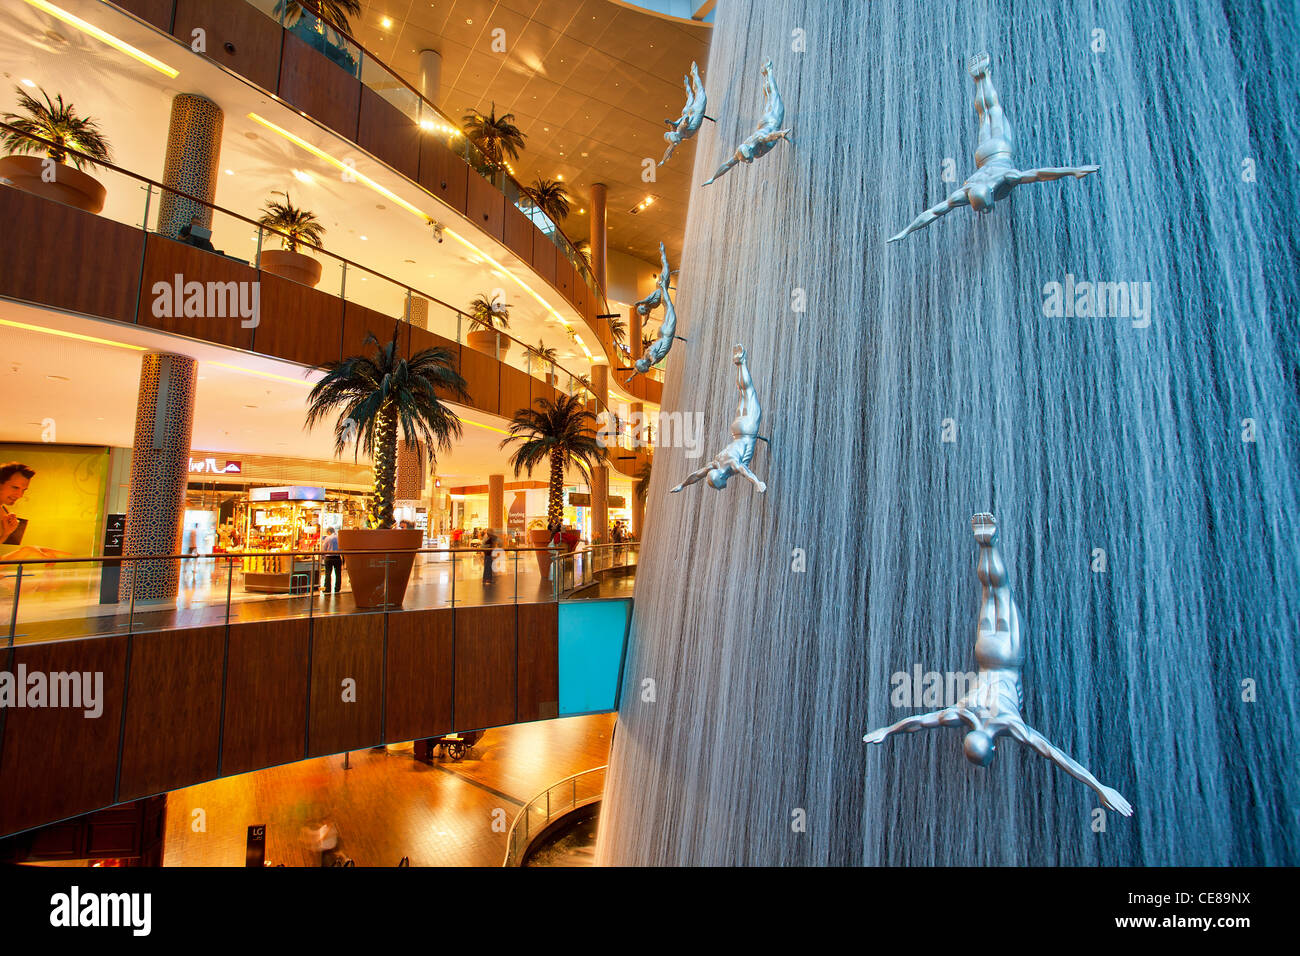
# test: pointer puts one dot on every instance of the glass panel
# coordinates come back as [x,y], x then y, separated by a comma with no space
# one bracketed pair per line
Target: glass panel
[323,38]
[384,82]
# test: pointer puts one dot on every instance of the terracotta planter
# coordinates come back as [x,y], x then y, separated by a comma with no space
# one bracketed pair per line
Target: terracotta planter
[367,571]
[486,342]
[71,186]
[291,265]
[540,538]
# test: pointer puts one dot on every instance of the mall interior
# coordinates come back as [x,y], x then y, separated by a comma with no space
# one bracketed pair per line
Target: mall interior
[340,337]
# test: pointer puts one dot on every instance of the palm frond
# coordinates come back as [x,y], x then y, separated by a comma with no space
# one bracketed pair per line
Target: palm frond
[59,123]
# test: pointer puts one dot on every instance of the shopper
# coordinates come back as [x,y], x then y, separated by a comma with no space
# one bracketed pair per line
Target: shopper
[489,543]
[333,561]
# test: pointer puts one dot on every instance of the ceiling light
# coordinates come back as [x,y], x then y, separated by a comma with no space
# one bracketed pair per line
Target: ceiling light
[303,177]
[363,238]
[230,172]
[28,83]
[71,335]
[387,22]
[104,37]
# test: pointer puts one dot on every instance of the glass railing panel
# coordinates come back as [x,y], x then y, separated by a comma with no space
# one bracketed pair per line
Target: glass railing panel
[383,81]
[58,601]
[321,37]
[375,292]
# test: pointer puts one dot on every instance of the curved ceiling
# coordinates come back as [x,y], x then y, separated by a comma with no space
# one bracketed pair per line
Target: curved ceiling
[590,83]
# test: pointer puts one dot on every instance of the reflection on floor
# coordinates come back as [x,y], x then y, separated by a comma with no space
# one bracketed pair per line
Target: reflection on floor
[386,806]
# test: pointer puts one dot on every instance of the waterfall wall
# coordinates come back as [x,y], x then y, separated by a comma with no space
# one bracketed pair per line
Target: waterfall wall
[1084,434]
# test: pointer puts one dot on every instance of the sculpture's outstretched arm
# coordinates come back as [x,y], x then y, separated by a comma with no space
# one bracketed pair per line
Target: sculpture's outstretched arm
[948,717]
[1048,173]
[1041,745]
[694,477]
[934,212]
[774,135]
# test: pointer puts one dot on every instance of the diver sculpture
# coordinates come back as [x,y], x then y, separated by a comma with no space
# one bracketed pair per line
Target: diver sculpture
[692,118]
[995,175]
[769,131]
[658,349]
[737,456]
[992,708]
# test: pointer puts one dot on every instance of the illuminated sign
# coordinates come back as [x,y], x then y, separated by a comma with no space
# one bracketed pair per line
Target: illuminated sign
[292,493]
[210,466]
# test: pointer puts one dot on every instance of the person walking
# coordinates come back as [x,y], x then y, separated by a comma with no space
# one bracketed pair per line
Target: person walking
[488,544]
[333,561]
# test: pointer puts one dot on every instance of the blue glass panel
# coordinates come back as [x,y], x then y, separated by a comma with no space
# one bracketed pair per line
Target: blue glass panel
[591,639]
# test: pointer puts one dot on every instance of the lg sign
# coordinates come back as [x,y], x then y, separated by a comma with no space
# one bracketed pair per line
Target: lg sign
[210,466]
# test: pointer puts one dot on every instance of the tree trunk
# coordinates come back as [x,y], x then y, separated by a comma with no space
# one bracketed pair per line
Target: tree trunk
[555,503]
[381,507]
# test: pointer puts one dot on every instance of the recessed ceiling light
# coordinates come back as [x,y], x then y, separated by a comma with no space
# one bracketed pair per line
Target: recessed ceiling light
[27,82]
[302,177]
[363,238]
[469,22]
[387,22]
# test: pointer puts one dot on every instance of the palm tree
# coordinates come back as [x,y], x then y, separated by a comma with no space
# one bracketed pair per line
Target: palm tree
[59,123]
[334,12]
[293,226]
[495,136]
[643,480]
[489,312]
[543,352]
[379,393]
[647,341]
[618,329]
[560,432]
[550,197]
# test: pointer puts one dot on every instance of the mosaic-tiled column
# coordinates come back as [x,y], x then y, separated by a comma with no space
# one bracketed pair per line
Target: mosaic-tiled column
[497,502]
[600,474]
[192,163]
[410,477]
[418,314]
[160,467]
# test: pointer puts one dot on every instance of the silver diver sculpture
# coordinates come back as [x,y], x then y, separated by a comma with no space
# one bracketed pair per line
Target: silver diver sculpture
[992,708]
[995,175]
[737,456]
[769,131]
[692,118]
[658,349]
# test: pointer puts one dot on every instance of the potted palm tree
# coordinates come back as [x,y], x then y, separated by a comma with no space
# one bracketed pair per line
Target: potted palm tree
[377,396]
[560,433]
[546,354]
[58,174]
[496,137]
[617,330]
[294,227]
[550,197]
[323,28]
[489,313]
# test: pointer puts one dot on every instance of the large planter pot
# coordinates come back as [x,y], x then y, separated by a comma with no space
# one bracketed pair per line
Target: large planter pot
[368,571]
[486,342]
[291,265]
[70,185]
[540,538]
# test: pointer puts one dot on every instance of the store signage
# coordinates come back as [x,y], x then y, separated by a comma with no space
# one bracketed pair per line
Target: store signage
[210,466]
[579,499]
[292,493]
[255,853]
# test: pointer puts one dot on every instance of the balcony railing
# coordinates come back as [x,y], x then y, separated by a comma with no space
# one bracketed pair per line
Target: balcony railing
[240,239]
[584,567]
[348,54]
[555,801]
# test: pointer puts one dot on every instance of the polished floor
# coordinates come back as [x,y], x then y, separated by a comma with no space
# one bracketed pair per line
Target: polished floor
[55,603]
[386,806]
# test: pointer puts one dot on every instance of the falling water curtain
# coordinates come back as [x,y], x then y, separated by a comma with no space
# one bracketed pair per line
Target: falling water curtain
[1142,464]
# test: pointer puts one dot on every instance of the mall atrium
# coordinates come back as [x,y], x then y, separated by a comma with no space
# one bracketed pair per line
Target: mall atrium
[517,432]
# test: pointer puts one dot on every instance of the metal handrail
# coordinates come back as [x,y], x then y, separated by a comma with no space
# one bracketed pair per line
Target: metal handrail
[569,559]
[514,853]
[348,263]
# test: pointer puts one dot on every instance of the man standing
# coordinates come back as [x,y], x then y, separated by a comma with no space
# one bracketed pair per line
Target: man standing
[333,561]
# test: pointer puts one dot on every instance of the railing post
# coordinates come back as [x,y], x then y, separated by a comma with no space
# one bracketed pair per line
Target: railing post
[13,615]
[459,320]
[343,284]
[453,576]
[230,578]
[257,256]
[148,197]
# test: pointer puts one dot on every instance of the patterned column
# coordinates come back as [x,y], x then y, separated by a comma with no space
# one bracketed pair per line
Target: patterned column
[410,479]
[160,468]
[497,502]
[634,333]
[192,163]
[600,474]
[419,313]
